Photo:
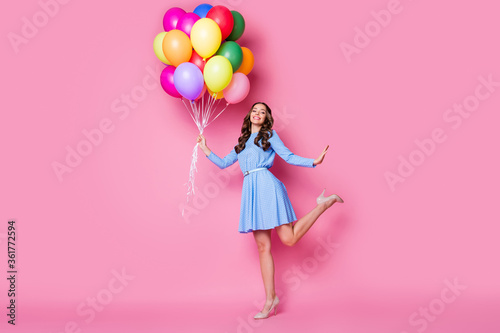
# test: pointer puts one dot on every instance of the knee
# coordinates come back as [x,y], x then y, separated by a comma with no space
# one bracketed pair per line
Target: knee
[264,247]
[288,241]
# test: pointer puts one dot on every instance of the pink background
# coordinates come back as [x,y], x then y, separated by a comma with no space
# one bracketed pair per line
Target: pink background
[119,209]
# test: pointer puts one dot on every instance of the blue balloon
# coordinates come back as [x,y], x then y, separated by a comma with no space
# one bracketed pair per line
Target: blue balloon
[202,10]
[188,80]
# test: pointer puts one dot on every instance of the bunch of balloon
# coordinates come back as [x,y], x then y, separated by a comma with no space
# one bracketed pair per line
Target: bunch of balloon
[204,63]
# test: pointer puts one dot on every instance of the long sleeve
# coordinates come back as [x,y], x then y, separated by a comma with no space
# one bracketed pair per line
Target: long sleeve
[287,155]
[225,162]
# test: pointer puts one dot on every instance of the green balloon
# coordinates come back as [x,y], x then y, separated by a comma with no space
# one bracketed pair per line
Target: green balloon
[232,51]
[238,27]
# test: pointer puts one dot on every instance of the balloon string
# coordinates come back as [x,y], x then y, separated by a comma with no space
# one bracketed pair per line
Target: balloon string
[203,101]
[203,117]
[212,102]
[196,113]
[227,104]
[206,112]
[194,107]
[203,120]
[190,113]
[216,106]
[200,111]
[192,173]
[209,105]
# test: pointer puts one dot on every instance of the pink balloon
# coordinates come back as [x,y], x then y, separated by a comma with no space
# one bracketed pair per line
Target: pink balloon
[238,88]
[186,22]
[167,81]
[172,16]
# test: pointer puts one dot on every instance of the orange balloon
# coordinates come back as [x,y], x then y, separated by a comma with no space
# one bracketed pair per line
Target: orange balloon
[219,94]
[247,63]
[177,47]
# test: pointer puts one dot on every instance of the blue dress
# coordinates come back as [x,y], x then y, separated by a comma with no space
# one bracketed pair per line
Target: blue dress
[264,200]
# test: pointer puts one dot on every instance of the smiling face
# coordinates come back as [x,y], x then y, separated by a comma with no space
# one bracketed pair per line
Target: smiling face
[258,115]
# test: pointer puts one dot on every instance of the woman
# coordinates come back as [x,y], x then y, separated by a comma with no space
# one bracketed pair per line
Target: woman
[264,201]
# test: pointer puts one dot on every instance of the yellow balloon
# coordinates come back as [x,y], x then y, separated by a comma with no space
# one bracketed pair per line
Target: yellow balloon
[158,47]
[206,37]
[218,95]
[217,73]
[248,61]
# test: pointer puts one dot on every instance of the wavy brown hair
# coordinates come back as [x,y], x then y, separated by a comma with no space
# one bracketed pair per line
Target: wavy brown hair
[265,131]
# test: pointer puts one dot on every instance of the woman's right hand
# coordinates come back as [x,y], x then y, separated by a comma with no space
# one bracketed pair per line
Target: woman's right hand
[202,142]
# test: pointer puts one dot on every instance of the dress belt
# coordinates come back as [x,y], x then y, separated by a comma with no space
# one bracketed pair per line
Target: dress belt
[246,173]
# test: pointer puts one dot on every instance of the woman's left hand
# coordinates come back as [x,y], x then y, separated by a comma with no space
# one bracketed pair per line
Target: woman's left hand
[321,157]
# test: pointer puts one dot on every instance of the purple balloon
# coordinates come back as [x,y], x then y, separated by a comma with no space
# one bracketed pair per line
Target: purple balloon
[172,16]
[186,22]
[167,81]
[188,80]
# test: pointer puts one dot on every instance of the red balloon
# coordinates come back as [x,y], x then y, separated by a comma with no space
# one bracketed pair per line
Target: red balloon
[202,92]
[198,60]
[223,17]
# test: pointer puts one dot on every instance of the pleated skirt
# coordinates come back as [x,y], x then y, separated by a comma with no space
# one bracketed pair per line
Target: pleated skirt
[264,203]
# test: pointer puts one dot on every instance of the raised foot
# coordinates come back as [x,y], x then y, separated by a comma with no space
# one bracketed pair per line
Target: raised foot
[333,198]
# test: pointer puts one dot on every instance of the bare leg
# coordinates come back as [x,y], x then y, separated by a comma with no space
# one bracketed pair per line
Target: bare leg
[263,240]
[291,233]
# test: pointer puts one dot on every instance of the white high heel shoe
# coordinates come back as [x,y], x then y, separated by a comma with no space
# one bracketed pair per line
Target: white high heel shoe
[322,198]
[274,306]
